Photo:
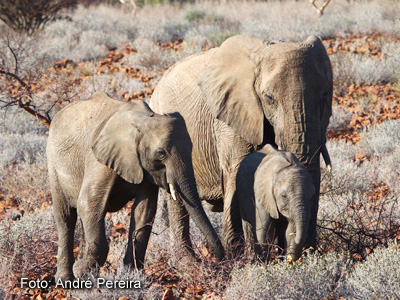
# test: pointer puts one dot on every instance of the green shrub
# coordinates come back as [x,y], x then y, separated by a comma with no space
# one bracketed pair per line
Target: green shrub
[202,16]
[217,38]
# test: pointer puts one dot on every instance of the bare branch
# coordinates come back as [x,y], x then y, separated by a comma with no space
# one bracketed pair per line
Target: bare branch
[27,106]
[320,10]
[14,55]
[21,82]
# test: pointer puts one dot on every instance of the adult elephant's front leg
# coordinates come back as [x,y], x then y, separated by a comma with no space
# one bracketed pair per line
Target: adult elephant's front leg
[142,218]
[232,232]
[312,228]
[181,245]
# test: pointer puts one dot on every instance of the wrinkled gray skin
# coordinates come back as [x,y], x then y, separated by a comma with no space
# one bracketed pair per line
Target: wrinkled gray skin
[239,97]
[275,195]
[103,153]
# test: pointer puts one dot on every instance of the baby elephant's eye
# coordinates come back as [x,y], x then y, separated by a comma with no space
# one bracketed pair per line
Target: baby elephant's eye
[160,154]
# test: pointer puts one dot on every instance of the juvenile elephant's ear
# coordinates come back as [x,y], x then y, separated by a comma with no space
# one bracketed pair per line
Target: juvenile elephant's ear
[264,186]
[116,146]
[227,85]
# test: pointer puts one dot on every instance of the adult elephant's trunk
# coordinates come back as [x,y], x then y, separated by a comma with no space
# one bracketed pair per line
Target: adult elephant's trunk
[307,140]
[183,188]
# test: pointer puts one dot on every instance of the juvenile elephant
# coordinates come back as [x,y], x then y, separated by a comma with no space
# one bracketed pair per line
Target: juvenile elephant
[239,97]
[103,153]
[275,196]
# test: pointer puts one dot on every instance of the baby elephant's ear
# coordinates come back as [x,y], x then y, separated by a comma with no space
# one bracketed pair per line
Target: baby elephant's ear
[264,187]
[117,145]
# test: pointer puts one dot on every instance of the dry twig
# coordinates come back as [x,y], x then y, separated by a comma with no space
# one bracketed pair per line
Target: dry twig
[320,10]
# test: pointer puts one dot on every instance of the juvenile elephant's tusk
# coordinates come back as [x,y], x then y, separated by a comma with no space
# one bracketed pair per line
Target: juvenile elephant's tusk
[327,159]
[173,192]
[293,233]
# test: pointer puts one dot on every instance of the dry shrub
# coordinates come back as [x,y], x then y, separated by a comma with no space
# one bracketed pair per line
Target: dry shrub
[378,276]
[359,208]
[31,15]
[314,277]
[360,223]
[27,247]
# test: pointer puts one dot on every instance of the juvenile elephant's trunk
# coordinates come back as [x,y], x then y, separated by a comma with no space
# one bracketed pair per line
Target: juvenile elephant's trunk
[185,189]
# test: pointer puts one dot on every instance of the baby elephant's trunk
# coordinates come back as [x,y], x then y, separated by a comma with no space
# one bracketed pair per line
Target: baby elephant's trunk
[298,231]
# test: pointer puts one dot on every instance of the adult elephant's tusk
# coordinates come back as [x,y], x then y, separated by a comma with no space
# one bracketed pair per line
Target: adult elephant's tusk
[327,159]
[173,192]
[293,233]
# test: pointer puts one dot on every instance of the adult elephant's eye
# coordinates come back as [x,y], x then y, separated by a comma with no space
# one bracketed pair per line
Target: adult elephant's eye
[160,155]
[269,97]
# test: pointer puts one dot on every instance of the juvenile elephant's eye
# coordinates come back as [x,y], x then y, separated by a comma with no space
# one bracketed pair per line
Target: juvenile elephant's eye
[160,154]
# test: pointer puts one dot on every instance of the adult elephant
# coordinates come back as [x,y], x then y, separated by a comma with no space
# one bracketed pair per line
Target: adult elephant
[239,97]
[101,154]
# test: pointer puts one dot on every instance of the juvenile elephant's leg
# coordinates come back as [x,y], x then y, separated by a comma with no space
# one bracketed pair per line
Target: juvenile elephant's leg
[91,209]
[178,216]
[280,239]
[142,217]
[65,217]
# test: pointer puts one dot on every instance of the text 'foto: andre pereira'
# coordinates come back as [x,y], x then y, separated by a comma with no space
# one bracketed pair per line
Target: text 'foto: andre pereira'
[100,283]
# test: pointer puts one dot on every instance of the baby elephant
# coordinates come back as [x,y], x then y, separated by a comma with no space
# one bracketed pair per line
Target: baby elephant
[103,153]
[274,192]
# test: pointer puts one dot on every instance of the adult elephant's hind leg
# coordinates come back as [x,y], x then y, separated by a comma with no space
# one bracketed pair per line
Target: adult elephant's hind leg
[142,218]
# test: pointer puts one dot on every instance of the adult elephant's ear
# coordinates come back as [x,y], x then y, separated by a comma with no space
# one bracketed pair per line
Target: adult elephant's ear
[227,85]
[326,106]
[116,146]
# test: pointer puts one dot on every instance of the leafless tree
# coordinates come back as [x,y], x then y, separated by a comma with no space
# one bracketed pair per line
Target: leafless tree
[23,75]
